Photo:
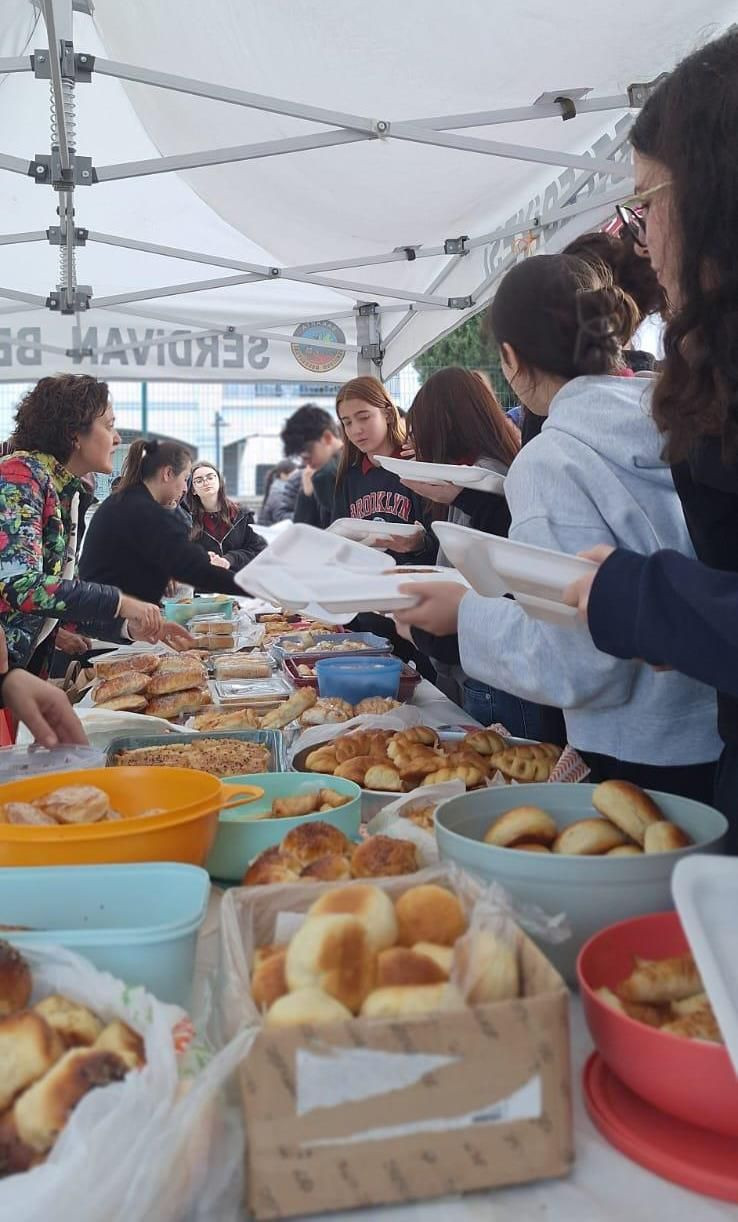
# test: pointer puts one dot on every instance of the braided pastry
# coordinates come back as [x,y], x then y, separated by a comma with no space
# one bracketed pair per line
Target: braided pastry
[485,742]
[526,763]
[410,737]
[470,776]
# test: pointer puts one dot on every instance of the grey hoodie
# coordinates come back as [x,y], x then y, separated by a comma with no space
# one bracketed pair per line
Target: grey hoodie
[594,475]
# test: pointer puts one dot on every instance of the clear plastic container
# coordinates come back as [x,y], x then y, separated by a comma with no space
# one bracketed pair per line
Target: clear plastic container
[355,679]
[252,692]
[230,666]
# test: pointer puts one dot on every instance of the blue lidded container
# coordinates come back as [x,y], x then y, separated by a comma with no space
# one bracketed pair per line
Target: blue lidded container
[356,678]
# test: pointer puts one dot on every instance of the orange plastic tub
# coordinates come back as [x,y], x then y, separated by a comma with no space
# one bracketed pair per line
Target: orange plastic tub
[191,802]
[689,1079]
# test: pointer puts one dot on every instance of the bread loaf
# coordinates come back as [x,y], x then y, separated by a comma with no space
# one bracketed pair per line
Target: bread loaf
[368,904]
[663,837]
[178,680]
[124,704]
[175,704]
[144,663]
[429,913]
[129,683]
[627,806]
[333,953]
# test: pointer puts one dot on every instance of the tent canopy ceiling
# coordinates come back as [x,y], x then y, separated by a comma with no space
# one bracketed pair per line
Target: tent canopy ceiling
[237,147]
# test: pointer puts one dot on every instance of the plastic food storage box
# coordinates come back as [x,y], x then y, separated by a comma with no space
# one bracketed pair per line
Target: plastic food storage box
[357,678]
[409,678]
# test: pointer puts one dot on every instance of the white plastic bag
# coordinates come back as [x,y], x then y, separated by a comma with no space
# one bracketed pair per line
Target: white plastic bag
[390,821]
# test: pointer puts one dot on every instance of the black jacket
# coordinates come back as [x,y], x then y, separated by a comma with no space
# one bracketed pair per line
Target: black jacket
[239,546]
[370,492]
[136,544]
[317,509]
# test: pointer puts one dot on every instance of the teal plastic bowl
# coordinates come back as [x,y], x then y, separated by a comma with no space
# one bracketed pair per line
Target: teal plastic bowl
[244,832]
[182,611]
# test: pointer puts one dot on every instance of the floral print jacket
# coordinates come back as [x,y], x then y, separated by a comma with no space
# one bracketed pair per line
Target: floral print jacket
[36,494]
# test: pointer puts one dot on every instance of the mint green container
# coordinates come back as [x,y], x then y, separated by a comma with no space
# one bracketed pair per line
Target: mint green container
[244,831]
[181,612]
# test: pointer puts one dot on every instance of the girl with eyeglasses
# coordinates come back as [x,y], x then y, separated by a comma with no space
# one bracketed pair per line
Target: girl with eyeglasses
[220,526]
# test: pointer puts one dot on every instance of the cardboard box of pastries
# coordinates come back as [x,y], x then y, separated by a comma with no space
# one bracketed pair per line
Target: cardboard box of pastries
[373,1110]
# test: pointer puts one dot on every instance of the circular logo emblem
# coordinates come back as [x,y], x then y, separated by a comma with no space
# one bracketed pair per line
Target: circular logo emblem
[311,357]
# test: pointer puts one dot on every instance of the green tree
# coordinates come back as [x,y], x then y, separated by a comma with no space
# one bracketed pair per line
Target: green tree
[469,347]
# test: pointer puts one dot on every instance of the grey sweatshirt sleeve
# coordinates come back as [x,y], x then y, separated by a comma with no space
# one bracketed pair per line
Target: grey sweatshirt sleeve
[501,645]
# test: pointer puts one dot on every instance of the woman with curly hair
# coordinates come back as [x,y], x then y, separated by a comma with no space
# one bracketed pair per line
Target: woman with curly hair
[64,429]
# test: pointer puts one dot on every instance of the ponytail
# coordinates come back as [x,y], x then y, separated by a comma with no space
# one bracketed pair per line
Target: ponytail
[145,457]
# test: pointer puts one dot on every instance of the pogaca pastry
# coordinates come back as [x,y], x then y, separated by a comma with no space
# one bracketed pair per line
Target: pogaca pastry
[319,852]
[668,994]
[399,761]
[166,686]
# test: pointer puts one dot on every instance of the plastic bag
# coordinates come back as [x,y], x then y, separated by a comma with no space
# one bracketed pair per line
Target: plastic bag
[391,820]
[19,762]
[123,1142]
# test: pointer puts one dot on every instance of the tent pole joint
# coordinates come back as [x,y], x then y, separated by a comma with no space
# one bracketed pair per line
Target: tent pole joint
[461,303]
[410,252]
[45,170]
[62,302]
[639,93]
[456,246]
[56,236]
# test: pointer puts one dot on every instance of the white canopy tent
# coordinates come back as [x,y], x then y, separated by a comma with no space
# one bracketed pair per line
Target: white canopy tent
[260,189]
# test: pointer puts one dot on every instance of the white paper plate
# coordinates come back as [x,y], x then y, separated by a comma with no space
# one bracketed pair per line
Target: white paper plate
[705,890]
[376,593]
[494,566]
[360,529]
[460,475]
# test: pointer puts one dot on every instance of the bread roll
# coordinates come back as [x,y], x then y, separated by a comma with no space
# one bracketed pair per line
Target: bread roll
[361,742]
[400,965]
[333,799]
[308,841]
[663,837]
[333,868]
[486,968]
[589,837]
[627,806]
[526,763]
[528,823]
[355,768]
[75,804]
[382,857]
[127,684]
[15,980]
[43,1110]
[74,1023]
[369,904]
[124,704]
[268,981]
[375,704]
[530,846]
[472,777]
[262,953]
[382,777]
[328,710]
[25,813]
[429,913]
[660,980]
[407,1001]
[175,681]
[322,760]
[126,1043]
[423,735]
[699,1025]
[28,1048]
[333,953]
[143,663]
[175,704]
[485,742]
[306,1006]
[272,866]
[625,850]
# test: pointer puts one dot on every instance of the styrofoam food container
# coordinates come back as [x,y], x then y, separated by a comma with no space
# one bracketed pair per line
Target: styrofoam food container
[140,922]
[461,475]
[592,891]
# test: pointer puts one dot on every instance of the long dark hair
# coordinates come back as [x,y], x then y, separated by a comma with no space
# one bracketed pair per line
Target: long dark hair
[455,417]
[145,457]
[689,125]
[371,391]
[225,509]
[563,316]
[630,271]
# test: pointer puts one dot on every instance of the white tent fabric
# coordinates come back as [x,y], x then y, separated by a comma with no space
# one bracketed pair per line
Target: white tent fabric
[353,138]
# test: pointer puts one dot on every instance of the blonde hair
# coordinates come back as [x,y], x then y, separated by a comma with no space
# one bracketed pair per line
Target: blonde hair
[371,391]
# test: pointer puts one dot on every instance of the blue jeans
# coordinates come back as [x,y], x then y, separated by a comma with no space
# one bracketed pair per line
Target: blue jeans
[487,705]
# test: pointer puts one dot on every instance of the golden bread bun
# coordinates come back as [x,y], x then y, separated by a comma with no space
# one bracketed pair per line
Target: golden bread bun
[268,981]
[309,841]
[360,742]
[262,953]
[272,866]
[333,953]
[528,823]
[75,804]
[485,742]
[383,856]
[121,1039]
[24,813]
[124,704]
[375,704]
[28,1048]
[526,763]
[625,850]
[406,1001]
[402,965]
[43,1110]
[443,956]
[663,837]
[333,868]
[369,904]
[15,980]
[429,913]
[657,981]
[128,684]
[472,777]
[588,837]
[177,680]
[75,1024]
[486,968]
[144,663]
[423,735]
[15,1155]
[309,1006]
[530,846]
[627,806]
[323,759]
[355,768]
[328,710]
[380,776]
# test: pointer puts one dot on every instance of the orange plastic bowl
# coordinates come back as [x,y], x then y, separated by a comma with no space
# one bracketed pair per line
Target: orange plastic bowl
[689,1079]
[191,802]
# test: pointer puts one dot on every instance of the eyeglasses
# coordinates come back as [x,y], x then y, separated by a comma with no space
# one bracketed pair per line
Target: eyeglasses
[631,213]
[203,479]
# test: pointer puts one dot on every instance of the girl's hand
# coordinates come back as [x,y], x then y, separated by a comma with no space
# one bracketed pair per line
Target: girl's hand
[408,449]
[176,636]
[444,493]
[220,562]
[437,608]
[306,480]
[44,708]
[577,594]
[402,543]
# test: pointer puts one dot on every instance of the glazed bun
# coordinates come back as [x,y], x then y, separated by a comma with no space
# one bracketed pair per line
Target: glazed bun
[43,1110]
[429,914]
[627,806]
[28,1048]
[333,868]
[367,904]
[333,953]
[308,841]
[309,1006]
[589,837]
[269,981]
[272,866]
[486,968]
[401,966]
[406,1001]
[527,823]
[382,856]
[75,1024]
[15,980]
[664,837]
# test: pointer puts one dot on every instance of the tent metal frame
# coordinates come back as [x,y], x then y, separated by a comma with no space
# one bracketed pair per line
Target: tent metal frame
[64,170]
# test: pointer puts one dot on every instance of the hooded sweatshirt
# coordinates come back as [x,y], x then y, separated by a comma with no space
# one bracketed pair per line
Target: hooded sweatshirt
[594,475]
